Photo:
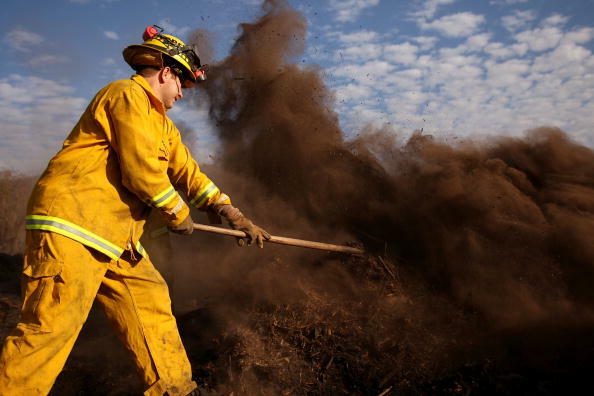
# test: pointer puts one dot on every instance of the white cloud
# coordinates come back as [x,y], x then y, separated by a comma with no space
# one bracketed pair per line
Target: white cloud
[362,36]
[20,89]
[353,92]
[507,74]
[405,53]
[518,20]
[478,41]
[429,8]
[564,55]
[359,53]
[405,80]
[37,114]
[368,73]
[369,115]
[481,43]
[544,76]
[349,10]
[455,25]
[21,39]
[47,59]
[580,36]
[425,42]
[540,39]
[203,142]
[111,35]
[170,28]
[450,68]
[252,2]
[507,2]
[555,20]
[500,50]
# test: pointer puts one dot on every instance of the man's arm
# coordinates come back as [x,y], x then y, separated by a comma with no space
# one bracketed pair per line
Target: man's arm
[185,174]
[137,143]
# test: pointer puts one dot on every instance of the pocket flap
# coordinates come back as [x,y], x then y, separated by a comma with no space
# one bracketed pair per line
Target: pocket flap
[44,268]
[163,150]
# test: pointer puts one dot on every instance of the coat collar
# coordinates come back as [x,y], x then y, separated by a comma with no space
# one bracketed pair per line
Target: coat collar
[137,78]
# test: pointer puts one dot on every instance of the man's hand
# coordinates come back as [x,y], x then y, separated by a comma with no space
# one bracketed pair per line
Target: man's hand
[239,222]
[186,227]
[254,233]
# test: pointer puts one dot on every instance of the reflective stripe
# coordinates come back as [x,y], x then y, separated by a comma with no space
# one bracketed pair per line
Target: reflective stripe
[179,206]
[204,194]
[223,198]
[164,197]
[140,249]
[70,230]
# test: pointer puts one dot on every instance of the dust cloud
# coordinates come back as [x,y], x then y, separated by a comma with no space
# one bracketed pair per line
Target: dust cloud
[479,275]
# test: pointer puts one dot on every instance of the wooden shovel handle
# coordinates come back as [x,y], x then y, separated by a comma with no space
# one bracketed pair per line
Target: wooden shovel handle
[283,240]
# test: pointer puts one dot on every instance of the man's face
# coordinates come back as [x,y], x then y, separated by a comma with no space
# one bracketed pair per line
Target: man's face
[171,89]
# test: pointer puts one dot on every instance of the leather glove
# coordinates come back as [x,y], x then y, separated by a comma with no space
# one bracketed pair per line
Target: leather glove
[238,221]
[254,233]
[186,227]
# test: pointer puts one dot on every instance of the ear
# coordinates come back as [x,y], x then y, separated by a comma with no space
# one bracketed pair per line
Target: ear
[165,74]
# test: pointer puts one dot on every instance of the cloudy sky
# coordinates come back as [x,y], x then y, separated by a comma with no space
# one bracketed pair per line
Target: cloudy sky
[456,68]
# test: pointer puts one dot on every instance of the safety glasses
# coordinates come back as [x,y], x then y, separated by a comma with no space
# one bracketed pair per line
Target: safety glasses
[179,74]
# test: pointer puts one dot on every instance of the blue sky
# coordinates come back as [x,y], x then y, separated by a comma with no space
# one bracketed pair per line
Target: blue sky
[456,68]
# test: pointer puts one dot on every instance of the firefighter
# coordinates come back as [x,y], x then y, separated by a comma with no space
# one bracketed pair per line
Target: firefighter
[85,217]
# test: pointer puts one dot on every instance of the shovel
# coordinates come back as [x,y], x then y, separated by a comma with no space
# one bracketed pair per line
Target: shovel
[283,241]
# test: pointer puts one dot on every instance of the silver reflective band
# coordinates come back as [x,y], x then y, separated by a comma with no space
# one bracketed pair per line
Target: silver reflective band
[198,200]
[159,202]
[140,249]
[68,231]
[178,207]
[223,198]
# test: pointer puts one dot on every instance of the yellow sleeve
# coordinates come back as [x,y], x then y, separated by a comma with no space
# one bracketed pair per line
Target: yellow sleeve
[186,176]
[136,141]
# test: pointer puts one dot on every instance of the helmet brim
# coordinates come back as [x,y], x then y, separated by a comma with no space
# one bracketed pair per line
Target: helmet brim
[148,55]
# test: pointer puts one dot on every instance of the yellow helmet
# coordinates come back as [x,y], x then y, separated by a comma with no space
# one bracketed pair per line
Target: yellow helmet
[158,44]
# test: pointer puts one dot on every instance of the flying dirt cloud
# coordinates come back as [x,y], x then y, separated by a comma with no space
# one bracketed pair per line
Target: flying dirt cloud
[491,243]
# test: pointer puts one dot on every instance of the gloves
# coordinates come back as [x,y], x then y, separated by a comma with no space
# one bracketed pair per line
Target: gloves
[186,227]
[239,222]
[254,233]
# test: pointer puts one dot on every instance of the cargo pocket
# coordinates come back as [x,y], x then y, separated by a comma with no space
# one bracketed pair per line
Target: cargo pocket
[42,286]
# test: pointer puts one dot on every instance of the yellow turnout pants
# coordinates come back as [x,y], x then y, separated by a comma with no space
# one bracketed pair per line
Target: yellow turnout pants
[61,279]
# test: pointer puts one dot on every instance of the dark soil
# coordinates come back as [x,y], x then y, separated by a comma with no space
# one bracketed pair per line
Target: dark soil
[331,348]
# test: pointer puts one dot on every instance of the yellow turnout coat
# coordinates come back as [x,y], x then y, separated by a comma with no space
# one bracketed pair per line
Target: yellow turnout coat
[123,156]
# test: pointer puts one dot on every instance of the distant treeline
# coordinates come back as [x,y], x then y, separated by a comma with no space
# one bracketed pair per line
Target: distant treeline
[14,193]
